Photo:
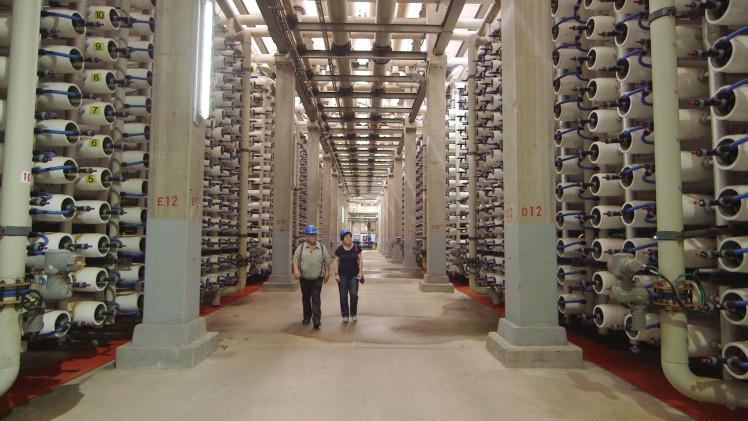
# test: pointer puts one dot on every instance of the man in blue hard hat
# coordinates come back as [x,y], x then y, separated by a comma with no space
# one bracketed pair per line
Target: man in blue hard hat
[311,264]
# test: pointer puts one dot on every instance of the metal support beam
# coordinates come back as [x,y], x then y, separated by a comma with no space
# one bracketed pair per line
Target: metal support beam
[365,130]
[356,55]
[450,21]
[387,120]
[368,78]
[420,96]
[392,110]
[394,28]
[384,95]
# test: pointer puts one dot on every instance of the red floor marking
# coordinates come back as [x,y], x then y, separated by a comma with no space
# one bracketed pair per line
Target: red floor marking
[628,368]
[32,384]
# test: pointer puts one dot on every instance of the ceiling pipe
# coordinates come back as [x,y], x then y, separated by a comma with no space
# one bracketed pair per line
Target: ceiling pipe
[459,35]
[338,13]
[463,23]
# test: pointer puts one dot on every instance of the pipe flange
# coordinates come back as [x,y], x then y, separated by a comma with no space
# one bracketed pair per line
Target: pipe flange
[669,236]
[14,231]
[346,92]
[382,52]
[341,50]
[665,11]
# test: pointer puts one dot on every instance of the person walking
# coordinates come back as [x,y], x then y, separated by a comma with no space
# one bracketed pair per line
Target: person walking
[349,268]
[311,264]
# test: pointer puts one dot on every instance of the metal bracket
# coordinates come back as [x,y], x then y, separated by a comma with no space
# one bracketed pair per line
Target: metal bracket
[668,236]
[665,11]
[14,231]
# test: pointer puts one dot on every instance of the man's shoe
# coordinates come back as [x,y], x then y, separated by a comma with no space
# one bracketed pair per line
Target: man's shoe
[345,319]
[353,318]
[316,325]
[306,321]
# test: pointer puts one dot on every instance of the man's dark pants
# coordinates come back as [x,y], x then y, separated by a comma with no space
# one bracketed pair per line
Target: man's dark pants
[310,292]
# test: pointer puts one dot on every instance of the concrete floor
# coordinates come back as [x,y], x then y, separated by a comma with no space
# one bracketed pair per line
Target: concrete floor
[411,356]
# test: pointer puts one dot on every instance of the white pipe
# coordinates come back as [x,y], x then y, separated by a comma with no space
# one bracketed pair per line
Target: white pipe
[14,198]
[674,324]
[255,19]
[244,160]
[263,31]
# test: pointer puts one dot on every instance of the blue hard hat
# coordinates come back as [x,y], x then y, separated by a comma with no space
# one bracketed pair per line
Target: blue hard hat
[310,230]
[343,233]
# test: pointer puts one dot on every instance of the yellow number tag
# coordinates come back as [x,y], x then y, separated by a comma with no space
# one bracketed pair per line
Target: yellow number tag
[93,143]
[91,179]
[94,110]
[98,46]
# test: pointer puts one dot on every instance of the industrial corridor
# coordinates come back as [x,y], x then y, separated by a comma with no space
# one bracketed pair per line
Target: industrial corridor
[542,203]
[410,356]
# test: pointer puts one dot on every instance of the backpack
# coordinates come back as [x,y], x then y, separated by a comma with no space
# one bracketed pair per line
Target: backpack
[324,252]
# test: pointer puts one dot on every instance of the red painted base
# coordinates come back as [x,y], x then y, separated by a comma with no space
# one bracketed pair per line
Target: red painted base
[628,368]
[46,379]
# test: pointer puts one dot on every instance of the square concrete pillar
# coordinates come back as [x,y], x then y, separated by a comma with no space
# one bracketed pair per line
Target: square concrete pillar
[390,213]
[334,213]
[435,134]
[324,217]
[409,199]
[397,210]
[529,335]
[313,186]
[385,211]
[283,177]
[172,334]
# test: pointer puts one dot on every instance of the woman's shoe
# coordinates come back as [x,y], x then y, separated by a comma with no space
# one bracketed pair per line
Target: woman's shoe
[345,319]
[353,318]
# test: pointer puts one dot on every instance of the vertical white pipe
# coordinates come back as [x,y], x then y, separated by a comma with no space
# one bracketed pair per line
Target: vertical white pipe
[244,158]
[16,191]
[674,324]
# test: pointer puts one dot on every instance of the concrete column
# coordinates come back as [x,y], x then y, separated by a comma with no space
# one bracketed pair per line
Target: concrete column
[341,205]
[529,335]
[325,181]
[172,333]
[435,133]
[283,177]
[386,220]
[390,216]
[313,186]
[409,199]
[334,218]
[397,220]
